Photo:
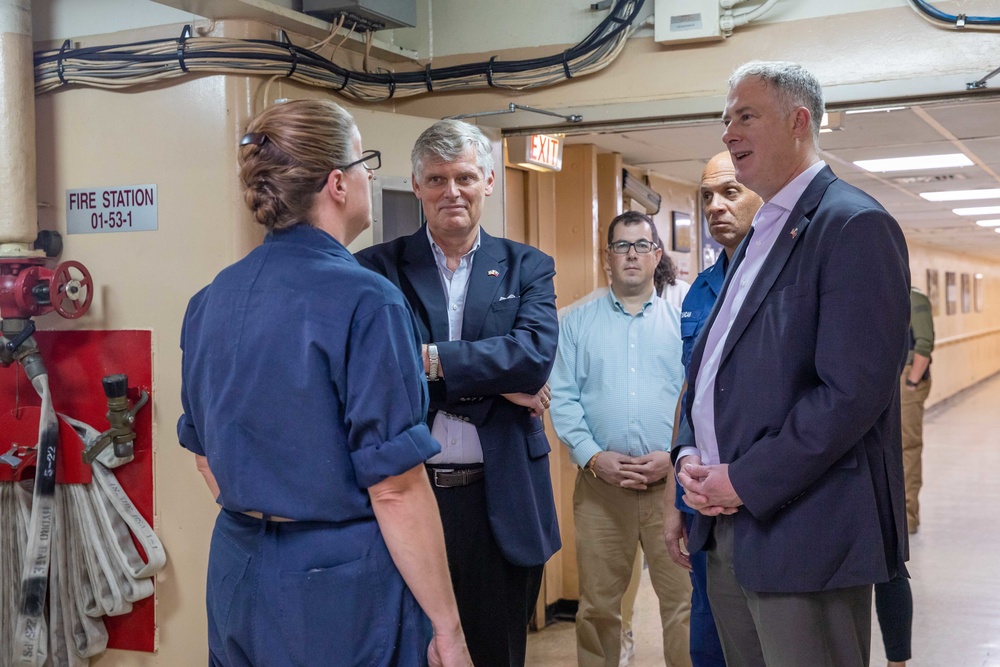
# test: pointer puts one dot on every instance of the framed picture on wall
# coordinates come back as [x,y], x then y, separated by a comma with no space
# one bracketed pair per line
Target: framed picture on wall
[680,231]
[966,293]
[933,291]
[950,293]
[979,297]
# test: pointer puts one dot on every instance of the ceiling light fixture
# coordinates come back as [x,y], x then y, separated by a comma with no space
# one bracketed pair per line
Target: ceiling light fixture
[988,223]
[946,161]
[977,210]
[959,195]
[880,110]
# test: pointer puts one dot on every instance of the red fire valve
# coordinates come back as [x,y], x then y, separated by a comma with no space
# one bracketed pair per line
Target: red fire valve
[28,289]
[71,289]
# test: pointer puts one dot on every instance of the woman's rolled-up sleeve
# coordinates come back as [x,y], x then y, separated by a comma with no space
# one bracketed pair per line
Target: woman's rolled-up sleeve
[386,397]
[188,436]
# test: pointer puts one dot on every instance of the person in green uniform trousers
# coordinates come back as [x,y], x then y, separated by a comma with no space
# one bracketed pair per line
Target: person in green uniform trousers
[914,386]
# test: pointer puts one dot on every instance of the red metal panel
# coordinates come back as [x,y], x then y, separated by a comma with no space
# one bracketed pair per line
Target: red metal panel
[76,361]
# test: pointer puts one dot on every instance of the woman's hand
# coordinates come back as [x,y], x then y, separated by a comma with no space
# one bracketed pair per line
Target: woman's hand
[449,650]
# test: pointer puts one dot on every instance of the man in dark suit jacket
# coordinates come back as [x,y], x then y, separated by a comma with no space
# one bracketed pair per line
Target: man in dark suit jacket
[486,311]
[793,458]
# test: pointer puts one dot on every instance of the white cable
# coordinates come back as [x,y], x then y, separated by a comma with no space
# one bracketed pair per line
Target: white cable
[742,18]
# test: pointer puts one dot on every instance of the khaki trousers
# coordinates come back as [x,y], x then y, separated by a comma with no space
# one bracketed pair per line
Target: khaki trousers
[912,411]
[610,524]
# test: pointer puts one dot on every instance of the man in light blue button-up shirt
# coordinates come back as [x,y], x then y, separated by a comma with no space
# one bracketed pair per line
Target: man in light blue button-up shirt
[617,377]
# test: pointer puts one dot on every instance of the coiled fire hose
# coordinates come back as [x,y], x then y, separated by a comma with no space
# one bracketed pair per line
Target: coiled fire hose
[73,542]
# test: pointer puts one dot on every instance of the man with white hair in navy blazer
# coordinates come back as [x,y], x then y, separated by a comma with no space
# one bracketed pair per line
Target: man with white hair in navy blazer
[486,311]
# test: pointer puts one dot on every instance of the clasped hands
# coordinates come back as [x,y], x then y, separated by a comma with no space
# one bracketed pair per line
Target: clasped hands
[632,472]
[707,489]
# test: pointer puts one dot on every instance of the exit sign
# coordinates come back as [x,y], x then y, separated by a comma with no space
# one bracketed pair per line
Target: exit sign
[541,152]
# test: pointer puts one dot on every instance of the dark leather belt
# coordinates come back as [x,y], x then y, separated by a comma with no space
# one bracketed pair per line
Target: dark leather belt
[447,478]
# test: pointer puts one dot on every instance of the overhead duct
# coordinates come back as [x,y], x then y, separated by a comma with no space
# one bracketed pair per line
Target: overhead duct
[18,200]
[635,189]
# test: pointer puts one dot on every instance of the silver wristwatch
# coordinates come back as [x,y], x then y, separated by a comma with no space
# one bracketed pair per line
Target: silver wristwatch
[432,366]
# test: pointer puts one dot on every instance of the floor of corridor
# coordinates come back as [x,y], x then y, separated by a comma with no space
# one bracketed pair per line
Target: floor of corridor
[954,558]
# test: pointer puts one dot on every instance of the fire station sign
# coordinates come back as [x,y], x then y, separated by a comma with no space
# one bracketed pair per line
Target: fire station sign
[129,208]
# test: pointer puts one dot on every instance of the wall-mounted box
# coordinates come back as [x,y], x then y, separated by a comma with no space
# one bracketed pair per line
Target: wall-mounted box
[380,14]
[684,21]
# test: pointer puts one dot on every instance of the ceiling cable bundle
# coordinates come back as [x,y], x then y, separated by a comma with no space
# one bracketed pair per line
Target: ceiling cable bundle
[126,65]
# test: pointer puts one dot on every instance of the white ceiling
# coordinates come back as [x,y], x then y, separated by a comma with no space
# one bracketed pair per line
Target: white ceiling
[971,127]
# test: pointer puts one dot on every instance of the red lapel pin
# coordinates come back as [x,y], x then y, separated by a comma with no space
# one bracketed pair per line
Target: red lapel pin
[795,231]
[493,273]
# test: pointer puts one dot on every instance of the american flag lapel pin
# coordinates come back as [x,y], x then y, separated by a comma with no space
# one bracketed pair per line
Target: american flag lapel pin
[493,273]
[795,230]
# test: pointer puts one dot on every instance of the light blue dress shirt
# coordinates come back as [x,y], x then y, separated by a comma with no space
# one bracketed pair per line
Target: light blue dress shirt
[617,378]
[767,224]
[459,439]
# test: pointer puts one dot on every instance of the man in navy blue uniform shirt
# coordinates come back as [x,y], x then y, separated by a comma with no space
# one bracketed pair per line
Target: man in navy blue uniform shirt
[729,207]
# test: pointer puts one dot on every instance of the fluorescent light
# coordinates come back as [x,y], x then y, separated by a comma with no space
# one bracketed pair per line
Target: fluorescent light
[958,195]
[988,223]
[977,210]
[918,162]
[883,109]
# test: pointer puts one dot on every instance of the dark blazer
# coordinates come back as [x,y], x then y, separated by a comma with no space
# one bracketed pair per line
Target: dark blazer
[807,399]
[509,337]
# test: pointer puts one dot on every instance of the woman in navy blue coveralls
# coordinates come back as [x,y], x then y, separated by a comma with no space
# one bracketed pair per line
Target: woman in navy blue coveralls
[304,404]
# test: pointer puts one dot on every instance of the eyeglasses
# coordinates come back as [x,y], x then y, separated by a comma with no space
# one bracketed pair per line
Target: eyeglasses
[374,157]
[370,160]
[641,246]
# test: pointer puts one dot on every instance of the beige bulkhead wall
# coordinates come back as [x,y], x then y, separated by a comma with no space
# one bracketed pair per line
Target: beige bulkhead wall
[967,344]
[182,137]
[681,198]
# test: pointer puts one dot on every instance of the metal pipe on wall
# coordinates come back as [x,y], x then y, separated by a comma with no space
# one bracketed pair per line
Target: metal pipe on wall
[18,200]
